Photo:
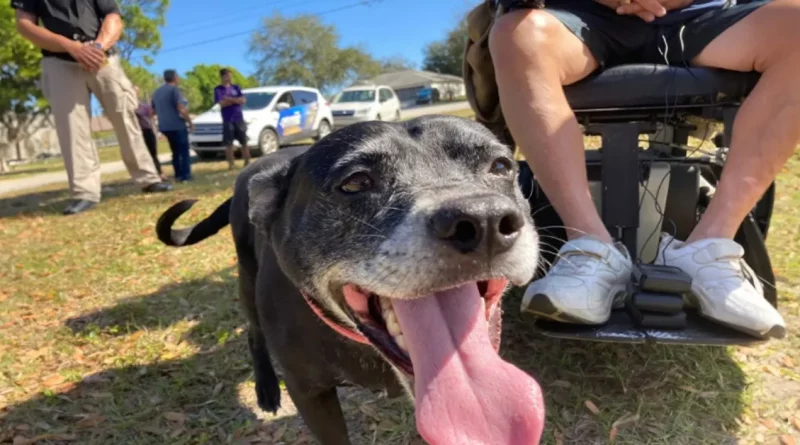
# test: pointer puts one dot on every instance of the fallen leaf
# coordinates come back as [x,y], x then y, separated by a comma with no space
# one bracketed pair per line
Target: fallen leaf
[176,433]
[22,440]
[788,440]
[217,389]
[559,437]
[175,417]
[592,407]
[53,380]
[768,423]
[788,362]
[796,423]
[279,434]
[90,421]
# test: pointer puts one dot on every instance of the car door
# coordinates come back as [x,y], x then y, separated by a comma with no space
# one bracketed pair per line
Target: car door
[290,120]
[389,106]
[309,109]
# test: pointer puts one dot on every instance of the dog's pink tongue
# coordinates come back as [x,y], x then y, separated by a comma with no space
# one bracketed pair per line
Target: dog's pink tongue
[465,394]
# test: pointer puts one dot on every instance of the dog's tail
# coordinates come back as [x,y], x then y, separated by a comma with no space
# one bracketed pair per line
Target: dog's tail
[193,234]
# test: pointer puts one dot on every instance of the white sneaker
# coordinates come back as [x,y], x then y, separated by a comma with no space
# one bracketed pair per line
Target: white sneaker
[587,279]
[725,288]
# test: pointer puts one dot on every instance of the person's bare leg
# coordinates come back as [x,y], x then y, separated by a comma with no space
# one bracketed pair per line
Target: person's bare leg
[534,56]
[765,133]
[246,153]
[229,155]
[767,127]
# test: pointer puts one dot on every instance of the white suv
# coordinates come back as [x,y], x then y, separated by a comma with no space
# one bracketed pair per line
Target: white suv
[365,103]
[275,116]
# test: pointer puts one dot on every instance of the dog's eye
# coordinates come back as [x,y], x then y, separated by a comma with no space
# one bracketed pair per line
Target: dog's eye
[501,166]
[357,182]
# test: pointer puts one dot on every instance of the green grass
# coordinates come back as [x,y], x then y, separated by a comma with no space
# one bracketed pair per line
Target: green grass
[106,336]
[105,154]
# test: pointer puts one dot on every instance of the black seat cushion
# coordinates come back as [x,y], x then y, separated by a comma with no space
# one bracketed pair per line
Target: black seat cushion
[647,85]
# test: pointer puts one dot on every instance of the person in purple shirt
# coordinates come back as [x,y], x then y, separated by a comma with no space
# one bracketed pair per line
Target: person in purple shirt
[536,52]
[231,99]
[145,114]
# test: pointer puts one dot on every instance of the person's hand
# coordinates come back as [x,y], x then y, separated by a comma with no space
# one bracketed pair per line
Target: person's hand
[91,58]
[648,10]
[191,127]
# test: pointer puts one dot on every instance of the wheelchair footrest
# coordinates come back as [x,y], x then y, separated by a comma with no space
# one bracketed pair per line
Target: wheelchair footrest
[620,328]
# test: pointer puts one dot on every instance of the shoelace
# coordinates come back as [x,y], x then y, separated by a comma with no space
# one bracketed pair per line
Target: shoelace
[575,263]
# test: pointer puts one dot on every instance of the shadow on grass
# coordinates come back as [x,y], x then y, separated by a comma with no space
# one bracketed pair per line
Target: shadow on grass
[669,395]
[662,394]
[54,201]
[182,400]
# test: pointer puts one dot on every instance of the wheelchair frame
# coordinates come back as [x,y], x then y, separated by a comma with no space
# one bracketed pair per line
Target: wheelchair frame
[620,166]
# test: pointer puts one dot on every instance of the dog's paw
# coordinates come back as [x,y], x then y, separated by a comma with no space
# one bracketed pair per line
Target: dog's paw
[269,398]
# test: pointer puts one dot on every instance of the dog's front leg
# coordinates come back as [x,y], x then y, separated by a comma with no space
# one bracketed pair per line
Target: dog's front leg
[321,412]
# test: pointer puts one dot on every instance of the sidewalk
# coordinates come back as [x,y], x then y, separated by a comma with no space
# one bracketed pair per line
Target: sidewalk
[40,180]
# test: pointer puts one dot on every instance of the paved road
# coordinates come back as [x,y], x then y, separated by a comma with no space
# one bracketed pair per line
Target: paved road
[15,185]
[410,113]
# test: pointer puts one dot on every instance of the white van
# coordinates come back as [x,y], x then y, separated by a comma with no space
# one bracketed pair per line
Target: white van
[275,116]
[365,103]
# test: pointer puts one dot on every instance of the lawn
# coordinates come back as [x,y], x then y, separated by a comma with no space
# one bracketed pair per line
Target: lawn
[106,336]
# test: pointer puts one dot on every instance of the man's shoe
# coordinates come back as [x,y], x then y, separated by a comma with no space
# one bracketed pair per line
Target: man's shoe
[725,288]
[158,187]
[78,206]
[588,278]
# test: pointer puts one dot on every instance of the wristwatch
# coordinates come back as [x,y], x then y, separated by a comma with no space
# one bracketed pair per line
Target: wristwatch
[98,45]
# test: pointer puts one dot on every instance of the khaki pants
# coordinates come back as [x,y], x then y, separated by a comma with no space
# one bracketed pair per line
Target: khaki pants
[66,85]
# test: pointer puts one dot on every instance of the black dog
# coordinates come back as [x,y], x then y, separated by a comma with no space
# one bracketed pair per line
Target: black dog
[379,257]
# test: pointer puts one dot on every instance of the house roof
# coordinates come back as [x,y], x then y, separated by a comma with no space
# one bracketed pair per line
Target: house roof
[411,78]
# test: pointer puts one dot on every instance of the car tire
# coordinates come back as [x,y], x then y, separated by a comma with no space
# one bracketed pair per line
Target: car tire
[323,130]
[206,155]
[268,141]
[378,118]
[397,116]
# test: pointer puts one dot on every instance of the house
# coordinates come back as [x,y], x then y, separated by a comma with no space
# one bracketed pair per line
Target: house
[407,83]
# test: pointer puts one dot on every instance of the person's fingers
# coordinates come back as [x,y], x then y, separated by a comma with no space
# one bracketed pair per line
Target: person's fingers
[637,10]
[653,6]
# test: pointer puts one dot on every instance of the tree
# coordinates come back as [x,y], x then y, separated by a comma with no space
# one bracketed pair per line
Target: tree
[23,109]
[396,63]
[447,56]
[302,50]
[143,20]
[199,82]
[140,76]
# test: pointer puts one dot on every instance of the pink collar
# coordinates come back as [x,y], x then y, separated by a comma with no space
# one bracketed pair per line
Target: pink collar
[349,333]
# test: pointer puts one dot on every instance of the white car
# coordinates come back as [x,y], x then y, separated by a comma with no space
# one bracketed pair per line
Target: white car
[275,116]
[365,103]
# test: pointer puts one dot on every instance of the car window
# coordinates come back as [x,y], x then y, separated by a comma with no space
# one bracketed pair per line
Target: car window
[386,94]
[356,96]
[286,97]
[257,101]
[304,97]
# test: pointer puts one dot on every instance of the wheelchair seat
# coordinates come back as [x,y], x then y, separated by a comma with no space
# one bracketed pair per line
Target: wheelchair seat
[659,86]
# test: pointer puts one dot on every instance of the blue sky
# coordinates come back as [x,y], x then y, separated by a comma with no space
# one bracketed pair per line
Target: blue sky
[386,28]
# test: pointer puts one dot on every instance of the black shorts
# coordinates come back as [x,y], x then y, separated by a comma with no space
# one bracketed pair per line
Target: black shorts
[615,40]
[234,131]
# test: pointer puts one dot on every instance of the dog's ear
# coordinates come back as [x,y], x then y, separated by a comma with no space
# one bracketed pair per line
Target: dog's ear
[267,191]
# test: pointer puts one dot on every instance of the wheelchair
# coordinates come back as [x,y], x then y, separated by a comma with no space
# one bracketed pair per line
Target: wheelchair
[641,193]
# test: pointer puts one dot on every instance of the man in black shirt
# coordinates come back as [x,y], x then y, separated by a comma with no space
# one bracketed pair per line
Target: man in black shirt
[77,39]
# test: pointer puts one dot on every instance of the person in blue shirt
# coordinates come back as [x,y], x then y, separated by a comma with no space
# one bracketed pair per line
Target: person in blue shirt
[173,119]
[536,52]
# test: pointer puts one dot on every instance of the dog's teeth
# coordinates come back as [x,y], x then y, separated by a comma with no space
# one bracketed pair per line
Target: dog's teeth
[401,342]
[392,325]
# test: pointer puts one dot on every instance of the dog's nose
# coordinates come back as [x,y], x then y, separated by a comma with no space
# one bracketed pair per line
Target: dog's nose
[473,226]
